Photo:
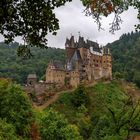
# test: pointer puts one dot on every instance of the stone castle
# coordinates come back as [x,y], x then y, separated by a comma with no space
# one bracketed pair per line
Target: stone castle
[86,62]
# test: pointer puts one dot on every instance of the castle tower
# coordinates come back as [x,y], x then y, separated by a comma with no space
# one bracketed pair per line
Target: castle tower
[107,63]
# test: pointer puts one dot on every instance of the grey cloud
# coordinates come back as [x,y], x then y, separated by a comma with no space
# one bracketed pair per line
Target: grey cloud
[73,20]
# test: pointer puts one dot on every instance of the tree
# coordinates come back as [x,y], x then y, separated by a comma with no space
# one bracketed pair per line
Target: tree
[137,78]
[54,126]
[15,107]
[33,19]
[80,96]
[30,19]
[7,131]
[116,116]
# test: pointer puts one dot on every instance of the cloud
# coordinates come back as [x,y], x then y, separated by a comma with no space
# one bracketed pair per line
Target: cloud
[73,20]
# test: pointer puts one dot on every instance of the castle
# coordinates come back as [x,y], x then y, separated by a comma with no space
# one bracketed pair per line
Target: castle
[86,62]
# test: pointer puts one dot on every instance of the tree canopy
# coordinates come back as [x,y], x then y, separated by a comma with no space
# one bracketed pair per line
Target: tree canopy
[33,19]
[15,108]
[126,63]
[7,131]
[111,114]
[54,126]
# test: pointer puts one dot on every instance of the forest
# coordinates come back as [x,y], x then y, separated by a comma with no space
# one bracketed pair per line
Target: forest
[126,57]
[17,68]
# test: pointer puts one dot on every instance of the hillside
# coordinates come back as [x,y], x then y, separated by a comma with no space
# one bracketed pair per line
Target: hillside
[18,68]
[126,57]
[104,111]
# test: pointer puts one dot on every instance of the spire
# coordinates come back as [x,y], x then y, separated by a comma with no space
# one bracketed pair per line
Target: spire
[81,42]
[72,41]
[67,43]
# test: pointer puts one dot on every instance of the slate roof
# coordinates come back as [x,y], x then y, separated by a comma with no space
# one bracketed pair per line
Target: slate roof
[81,43]
[70,52]
[94,45]
[78,55]
[57,64]
[32,76]
[70,41]
[67,41]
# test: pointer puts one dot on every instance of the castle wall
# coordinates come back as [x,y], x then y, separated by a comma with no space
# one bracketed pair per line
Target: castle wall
[89,72]
[31,81]
[97,72]
[55,76]
[74,78]
[106,61]
[107,66]
[96,60]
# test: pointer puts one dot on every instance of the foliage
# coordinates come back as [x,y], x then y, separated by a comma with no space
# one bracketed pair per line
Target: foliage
[136,78]
[18,68]
[32,26]
[118,115]
[54,126]
[15,107]
[111,114]
[7,131]
[99,8]
[126,60]
[80,96]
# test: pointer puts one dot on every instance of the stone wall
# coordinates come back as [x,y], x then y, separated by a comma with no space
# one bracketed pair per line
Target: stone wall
[55,76]
[74,78]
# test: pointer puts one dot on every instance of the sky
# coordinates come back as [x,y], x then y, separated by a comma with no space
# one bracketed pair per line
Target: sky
[73,21]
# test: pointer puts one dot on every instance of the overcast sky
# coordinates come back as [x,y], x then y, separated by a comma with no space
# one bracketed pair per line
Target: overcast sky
[72,20]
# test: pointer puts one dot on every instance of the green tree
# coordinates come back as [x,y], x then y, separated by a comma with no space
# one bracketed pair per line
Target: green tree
[126,63]
[7,131]
[116,115]
[137,78]
[54,126]
[15,107]
[80,96]
[33,26]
